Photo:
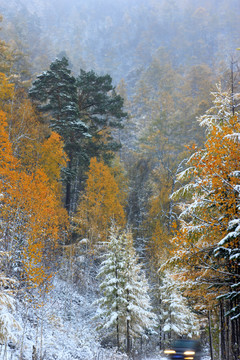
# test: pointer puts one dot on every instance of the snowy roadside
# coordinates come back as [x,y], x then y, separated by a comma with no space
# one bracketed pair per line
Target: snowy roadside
[62,329]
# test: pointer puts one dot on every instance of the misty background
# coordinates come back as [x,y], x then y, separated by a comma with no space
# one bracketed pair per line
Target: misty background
[122,37]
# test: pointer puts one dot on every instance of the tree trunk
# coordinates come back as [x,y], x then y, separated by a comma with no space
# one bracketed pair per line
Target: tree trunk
[160,337]
[237,337]
[128,337]
[210,335]
[222,347]
[68,185]
[128,326]
[117,329]
[117,326]
[235,331]
[34,353]
[228,344]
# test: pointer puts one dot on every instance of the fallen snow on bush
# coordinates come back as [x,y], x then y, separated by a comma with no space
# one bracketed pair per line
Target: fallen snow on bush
[61,329]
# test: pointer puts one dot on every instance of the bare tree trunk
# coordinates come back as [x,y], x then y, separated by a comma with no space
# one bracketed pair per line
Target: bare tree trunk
[75,190]
[34,353]
[128,328]
[228,344]
[68,185]
[23,334]
[160,337]
[117,326]
[237,354]
[41,335]
[210,335]
[222,345]
[117,329]
[235,334]
[5,351]
[128,338]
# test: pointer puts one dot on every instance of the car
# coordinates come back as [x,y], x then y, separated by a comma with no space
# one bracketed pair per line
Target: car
[184,349]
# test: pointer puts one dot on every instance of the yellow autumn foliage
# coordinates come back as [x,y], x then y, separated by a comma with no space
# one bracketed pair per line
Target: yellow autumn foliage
[100,204]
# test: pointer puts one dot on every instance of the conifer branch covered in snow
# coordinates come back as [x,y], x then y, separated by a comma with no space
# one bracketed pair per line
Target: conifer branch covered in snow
[124,307]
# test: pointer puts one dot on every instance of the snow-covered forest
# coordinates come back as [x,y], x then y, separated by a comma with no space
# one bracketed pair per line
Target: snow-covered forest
[119,178]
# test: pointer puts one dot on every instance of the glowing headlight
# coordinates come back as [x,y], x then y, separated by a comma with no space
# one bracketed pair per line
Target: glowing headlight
[189,352]
[169,352]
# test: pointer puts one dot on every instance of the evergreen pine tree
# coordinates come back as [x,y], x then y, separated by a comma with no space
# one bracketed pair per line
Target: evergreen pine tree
[85,111]
[55,91]
[125,304]
[112,273]
[177,319]
[102,110]
[138,311]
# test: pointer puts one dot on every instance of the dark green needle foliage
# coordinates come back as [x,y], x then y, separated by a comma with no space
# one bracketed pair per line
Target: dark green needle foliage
[55,91]
[101,109]
[84,111]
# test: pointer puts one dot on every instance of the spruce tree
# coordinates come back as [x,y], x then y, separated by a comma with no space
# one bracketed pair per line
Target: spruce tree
[139,318]
[112,273]
[177,319]
[125,304]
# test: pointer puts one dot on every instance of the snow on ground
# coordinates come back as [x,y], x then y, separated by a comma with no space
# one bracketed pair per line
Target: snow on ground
[63,328]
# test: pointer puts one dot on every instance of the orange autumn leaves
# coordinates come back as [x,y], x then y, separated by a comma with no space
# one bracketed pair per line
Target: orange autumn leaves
[217,165]
[33,219]
[211,202]
[31,212]
[101,204]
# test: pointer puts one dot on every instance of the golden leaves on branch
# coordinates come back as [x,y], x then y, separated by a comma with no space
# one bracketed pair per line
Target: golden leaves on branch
[100,204]
[215,202]
[32,216]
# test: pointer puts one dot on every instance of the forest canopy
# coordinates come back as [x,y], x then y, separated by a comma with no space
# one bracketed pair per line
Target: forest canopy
[119,177]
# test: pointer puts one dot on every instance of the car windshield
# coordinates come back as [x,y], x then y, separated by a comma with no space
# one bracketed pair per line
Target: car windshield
[186,344]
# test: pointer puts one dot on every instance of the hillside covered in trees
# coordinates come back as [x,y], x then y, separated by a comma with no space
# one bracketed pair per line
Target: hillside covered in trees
[119,178]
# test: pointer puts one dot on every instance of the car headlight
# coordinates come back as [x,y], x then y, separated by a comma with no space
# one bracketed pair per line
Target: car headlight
[169,352]
[189,352]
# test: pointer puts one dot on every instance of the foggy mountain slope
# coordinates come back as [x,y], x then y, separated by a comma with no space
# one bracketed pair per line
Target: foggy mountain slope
[118,37]
[130,40]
